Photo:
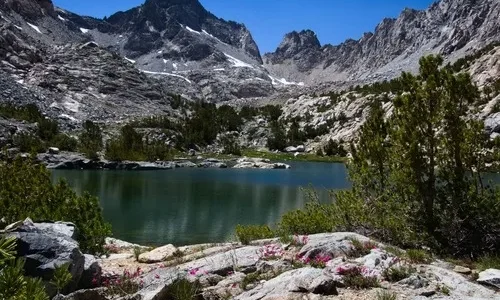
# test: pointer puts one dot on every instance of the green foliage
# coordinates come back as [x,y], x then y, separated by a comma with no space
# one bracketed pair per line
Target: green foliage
[444,290]
[466,61]
[421,181]
[182,289]
[248,112]
[62,277]
[29,112]
[386,295]
[47,129]
[488,262]
[131,145]
[394,251]
[418,256]
[64,142]
[361,248]
[314,218]
[294,135]
[137,253]
[354,278]
[277,140]
[91,139]
[398,273]
[271,112]
[7,249]
[248,233]
[230,145]
[28,142]
[394,86]
[334,148]
[13,284]
[24,184]
[249,279]
[176,101]
[228,119]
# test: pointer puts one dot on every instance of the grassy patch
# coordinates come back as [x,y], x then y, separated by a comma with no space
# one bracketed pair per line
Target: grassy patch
[183,289]
[291,157]
[248,233]
[488,262]
[395,274]
[418,256]
[394,251]
[386,295]
[249,279]
[354,278]
[361,248]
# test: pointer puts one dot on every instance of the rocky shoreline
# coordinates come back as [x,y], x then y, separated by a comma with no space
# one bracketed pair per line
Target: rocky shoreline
[76,161]
[319,266]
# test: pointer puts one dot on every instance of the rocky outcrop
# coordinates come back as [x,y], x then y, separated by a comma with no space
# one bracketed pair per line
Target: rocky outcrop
[447,27]
[46,246]
[312,267]
[258,163]
[490,277]
[158,254]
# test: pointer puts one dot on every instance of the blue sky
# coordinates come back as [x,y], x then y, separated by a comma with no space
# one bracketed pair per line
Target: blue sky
[269,20]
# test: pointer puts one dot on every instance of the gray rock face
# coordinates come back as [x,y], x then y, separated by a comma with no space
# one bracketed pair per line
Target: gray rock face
[305,280]
[46,246]
[448,27]
[91,270]
[490,277]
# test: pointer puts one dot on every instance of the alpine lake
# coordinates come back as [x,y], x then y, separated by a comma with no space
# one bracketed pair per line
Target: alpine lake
[195,205]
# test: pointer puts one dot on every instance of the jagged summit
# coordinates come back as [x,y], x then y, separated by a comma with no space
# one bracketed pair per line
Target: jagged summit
[448,27]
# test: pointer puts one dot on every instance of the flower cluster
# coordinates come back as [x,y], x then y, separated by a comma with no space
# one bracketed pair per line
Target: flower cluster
[196,272]
[272,251]
[319,261]
[300,240]
[126,284]
[349,270]
[111,248]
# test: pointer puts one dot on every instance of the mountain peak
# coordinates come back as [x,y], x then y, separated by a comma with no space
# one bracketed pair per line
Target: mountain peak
[296,42]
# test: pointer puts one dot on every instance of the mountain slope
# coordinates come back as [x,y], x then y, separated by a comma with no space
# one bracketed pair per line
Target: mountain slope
[448,27]
[170,40]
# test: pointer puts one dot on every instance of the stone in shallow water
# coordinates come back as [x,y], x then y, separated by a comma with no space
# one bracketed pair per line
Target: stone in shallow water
[158,255]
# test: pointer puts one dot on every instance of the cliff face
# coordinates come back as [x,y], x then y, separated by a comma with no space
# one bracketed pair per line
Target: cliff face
[448,27]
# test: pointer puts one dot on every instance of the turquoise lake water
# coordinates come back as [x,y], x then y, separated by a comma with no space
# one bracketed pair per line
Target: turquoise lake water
[188,206]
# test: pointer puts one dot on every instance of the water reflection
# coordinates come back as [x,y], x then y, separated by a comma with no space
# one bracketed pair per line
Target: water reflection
[188,206]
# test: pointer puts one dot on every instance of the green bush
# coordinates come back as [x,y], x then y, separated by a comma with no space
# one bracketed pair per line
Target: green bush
[314,218]
[24,184]
[13,284]
[488,262]
[248,233]
[47,129]
[131,145]
[28,142]
[418,256]
[29,112]
[354,278]
[91,139]
[398,273]
[230,145]
[183,289]
[64,142]
[386,295]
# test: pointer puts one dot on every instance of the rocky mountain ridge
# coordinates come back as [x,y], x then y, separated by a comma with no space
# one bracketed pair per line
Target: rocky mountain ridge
[451,28]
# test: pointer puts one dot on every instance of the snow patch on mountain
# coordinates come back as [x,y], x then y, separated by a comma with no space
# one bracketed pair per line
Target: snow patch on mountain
[166,74]
[238,63]
[34,27]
